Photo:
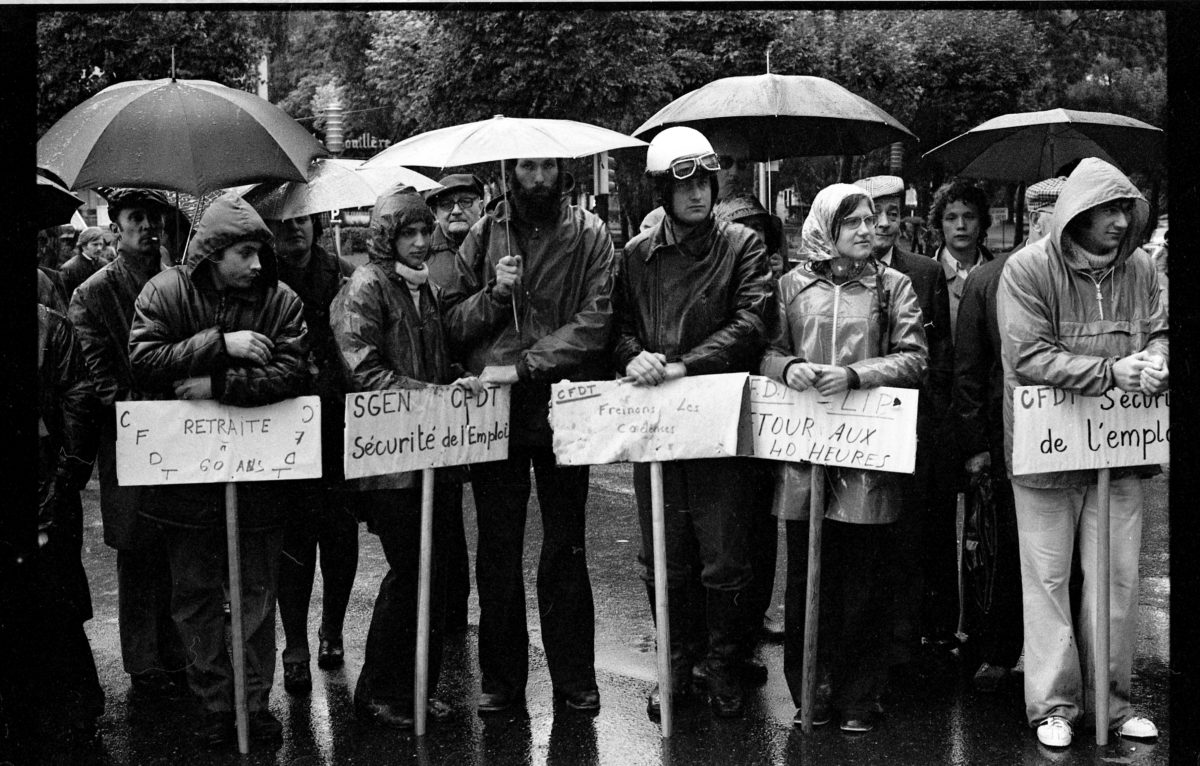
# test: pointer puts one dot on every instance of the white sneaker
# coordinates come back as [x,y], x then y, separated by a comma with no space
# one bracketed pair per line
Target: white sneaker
[1055,731]
[1138,727]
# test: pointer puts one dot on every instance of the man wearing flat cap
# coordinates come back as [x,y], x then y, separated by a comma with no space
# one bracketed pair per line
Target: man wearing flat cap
[913,528]
[102,311]
[976,418]
[457,204]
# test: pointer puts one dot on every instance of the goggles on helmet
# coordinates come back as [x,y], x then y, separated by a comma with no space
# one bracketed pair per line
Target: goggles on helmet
[687,167]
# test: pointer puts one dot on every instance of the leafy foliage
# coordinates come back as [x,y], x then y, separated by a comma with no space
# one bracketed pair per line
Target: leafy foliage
[81,53]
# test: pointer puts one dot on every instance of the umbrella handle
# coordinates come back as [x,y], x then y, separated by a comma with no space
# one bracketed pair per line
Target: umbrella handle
[508,248]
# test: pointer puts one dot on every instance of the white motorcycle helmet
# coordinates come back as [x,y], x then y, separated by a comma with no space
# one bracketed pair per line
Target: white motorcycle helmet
[679,152]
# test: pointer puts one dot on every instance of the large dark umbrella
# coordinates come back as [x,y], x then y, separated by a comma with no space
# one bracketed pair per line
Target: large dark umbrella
[773,116]
[185,135]
[1031,146]
[55,204]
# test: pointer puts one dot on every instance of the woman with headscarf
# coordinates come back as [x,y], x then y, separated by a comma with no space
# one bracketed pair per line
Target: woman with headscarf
[843,322]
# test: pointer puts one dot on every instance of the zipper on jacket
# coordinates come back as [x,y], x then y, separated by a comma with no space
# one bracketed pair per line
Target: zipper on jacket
[837,294]
[1099,294]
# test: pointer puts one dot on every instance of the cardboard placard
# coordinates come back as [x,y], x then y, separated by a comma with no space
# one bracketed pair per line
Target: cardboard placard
[872,428]
[610,421]
[434,427]
[1056,430]
[201,441]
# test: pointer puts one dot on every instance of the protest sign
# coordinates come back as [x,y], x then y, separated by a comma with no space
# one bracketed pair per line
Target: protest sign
[201,441]
[612,421]
[434,427]
[873,428]
[1056,430]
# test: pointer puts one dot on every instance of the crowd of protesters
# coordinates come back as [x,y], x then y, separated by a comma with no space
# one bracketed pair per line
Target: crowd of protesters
[530,291]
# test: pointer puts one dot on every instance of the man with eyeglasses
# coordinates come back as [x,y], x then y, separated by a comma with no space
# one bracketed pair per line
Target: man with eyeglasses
[692,298]
[887,192]
[457,204]
[531,299]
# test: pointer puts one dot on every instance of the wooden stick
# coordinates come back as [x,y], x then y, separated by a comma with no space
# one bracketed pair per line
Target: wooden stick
[235,617]
[1102,574]
[960,526]
[812,604]
[421,670]
[662,622]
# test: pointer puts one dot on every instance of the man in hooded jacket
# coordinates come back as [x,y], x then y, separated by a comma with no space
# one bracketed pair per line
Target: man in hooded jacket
[388,331]
[1081,311]
[223,327]
[532,296]
[101,311]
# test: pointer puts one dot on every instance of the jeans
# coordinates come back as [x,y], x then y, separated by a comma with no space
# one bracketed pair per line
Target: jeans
[1058,675]
[199,573]
[563,588]
[330,526]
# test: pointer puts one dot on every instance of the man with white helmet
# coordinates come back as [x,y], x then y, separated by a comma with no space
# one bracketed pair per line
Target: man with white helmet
[691,298]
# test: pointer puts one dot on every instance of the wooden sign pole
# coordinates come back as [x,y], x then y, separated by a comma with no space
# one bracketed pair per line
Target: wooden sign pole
[421,671]
[662,622]
[812,604]
[233,542]
[1102,574]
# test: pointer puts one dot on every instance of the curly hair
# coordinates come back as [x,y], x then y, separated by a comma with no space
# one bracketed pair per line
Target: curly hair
[958,190]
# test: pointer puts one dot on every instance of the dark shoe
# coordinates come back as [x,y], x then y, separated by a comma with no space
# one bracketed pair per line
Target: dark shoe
[330,653]
[587,700]
[724,687]
[859,722]
[495,702]
[822,714]
[217,728]
[297,679]
[383,714]
[752,670]
[155,685]
[989,678]
[265,727]
[681,699]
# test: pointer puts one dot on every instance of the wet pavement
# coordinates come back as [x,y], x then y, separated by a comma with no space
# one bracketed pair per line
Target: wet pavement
[935,717]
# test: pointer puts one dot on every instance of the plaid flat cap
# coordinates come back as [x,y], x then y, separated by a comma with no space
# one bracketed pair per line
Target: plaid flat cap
[882,186]
[1043,193]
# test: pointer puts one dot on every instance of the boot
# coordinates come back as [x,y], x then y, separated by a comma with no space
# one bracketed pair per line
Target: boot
[682,655]
[723,665]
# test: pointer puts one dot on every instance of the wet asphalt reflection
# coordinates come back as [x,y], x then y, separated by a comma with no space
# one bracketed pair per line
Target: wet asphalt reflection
[933,715]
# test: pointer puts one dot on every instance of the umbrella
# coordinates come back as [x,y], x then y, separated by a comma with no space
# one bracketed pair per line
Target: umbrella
[773,116]
[186,135]
[501,138]
[1030,146]
[331,185]
[55,204]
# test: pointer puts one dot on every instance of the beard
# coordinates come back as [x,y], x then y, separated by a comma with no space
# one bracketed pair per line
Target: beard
[538,204]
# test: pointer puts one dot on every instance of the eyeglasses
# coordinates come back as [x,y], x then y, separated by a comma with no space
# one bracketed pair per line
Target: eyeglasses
[687,167]
[446,204]
[728,161]
[852,222]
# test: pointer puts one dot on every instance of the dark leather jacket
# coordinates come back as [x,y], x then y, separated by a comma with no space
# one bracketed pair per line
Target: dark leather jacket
[564,304]
[704,301]
[178,332]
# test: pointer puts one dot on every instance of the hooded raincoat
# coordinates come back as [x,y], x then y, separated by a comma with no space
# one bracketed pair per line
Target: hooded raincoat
[564,303]
[1064,325]
[386,341]
[872,324]
[178,328]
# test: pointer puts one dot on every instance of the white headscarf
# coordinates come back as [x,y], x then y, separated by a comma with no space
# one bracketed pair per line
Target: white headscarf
[816,236]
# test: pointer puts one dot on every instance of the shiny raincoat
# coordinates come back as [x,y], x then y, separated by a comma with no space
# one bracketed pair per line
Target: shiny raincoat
[1063,326]
[564,302]
[824,323]
[177,332]
[384,340]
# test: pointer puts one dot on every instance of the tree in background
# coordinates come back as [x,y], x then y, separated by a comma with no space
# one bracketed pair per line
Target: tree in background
[81,53]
